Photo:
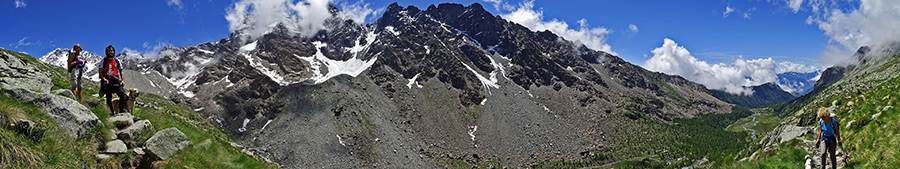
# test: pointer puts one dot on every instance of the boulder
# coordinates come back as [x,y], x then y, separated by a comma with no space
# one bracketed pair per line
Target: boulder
[166,142]
[31,84]
[135,129]
[103,157]
[139,151]
[124,119]
[17,67]
[116,147]
[70,115]
[64,92]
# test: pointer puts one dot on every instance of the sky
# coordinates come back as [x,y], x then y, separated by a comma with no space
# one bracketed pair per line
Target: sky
[723,43]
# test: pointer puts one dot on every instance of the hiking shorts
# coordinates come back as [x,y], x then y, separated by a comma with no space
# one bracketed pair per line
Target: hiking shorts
[75,75]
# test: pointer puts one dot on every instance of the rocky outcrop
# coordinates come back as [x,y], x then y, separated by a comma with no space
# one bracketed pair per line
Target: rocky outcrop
[116,147]
[166,142]
[134,129]
[22,80]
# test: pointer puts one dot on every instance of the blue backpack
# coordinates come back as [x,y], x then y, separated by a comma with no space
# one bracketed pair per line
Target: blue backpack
[828,130]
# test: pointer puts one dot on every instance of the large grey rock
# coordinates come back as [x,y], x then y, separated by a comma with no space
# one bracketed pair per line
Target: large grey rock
[70,115]
[134,130]
[125,118]
[64,92]
[12,66]
[32,84]
[167,142]
[115,147]
[103,157]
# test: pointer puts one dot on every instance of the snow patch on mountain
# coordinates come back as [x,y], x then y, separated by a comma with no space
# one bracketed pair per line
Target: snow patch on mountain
[391,30]
[353,66]
[258,65]
[413,81]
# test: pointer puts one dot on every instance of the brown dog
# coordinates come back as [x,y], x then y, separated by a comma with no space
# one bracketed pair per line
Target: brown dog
[129,104]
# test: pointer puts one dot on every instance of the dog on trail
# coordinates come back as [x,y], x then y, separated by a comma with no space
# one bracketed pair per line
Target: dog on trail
[129,104]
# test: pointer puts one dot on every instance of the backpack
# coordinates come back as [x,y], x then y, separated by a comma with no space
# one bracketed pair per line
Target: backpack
[828,131]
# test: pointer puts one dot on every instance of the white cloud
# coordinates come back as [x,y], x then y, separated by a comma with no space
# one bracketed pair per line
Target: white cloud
[748,13]
[795,5]
[633,28]
[728,10]
[500,4]
[852,24]
[306,18]
[148,50]
[677,60]
[22,42]
[592,37]
[20,3]
[357,11]
[785,67]
[175,3]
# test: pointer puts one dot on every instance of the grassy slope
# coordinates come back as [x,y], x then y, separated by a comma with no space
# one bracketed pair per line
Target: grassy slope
[691,139]
[872,143]
[210,148]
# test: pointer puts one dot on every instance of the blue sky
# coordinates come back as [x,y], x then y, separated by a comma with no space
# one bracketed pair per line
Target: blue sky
[715,31]
[771,31]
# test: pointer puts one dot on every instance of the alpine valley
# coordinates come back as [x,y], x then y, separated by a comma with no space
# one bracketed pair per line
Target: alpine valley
[448,86]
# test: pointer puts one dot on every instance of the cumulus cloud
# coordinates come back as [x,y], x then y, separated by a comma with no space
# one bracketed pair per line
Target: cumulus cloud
[795,5]
[732,78]
[20,3]
[785,67]
[306,18]
[852,25]
[357,11]
[633,28]
[526,15]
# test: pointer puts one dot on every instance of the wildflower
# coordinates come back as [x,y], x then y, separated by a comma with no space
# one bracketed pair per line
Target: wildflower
[42,120]
[11,124]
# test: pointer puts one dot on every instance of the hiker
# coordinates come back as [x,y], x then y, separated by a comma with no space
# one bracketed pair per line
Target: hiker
[76,71]
[111,77]
[828,131]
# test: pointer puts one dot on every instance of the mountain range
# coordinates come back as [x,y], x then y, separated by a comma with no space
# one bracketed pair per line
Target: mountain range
[447,83]
[763,95]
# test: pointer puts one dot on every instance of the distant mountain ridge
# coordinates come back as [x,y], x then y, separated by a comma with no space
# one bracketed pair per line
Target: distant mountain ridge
[798,83]
[763,95]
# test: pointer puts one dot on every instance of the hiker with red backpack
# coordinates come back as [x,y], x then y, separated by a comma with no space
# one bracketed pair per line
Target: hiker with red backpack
[829,130]
[112,79]
[75,66]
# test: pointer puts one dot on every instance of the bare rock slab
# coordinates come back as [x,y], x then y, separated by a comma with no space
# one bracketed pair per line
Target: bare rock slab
[134,130]
[116,147]
[166,142]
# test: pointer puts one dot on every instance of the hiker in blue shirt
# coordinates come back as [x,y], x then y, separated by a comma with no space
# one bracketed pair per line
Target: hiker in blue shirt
[829,130]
